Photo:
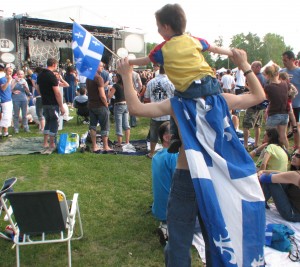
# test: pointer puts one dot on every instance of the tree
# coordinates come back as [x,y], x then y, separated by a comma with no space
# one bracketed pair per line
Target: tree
[211,62]
[149,47]
[269,48]
[251,43]
[220,61]
[273,47]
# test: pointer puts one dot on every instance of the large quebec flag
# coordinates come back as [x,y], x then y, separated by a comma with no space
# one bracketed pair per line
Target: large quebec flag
[87,51]
[228,193]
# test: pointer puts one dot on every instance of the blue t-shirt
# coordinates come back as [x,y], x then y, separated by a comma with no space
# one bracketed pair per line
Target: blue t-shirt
[163,167]
[5,96]
[22,96]
[105,76]
[295,80]
[34,78]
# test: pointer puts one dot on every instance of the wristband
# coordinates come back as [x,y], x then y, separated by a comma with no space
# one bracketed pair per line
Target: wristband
[266,178]
[247,72]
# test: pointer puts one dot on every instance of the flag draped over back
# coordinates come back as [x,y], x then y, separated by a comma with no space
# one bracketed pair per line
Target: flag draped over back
[229,197]
[87,51]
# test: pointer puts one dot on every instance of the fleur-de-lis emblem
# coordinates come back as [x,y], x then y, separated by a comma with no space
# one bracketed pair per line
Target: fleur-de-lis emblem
[95,43]
[259,262]
[78,35]
[225,246]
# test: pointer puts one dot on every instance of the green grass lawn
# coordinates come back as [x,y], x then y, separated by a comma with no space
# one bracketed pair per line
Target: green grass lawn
[114,199]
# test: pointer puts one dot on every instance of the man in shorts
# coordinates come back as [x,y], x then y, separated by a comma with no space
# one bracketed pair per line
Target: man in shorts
[254,115]
[158,89]
[98,110]
[52,101]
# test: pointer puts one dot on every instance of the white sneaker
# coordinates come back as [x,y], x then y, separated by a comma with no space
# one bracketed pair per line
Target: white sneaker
[162,231]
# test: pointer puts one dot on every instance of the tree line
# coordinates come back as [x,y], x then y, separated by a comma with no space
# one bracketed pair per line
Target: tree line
[270,47]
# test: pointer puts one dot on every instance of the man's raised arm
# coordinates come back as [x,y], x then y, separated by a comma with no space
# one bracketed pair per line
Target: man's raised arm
[257,94]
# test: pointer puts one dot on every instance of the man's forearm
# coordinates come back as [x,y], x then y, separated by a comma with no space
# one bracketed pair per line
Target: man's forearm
[104,101]
[139,61]
[130,94]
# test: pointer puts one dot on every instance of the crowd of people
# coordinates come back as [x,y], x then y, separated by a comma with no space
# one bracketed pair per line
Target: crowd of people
[269,97]
[22,103]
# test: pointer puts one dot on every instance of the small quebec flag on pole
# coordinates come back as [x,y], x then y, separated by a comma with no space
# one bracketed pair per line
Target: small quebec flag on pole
[87,51]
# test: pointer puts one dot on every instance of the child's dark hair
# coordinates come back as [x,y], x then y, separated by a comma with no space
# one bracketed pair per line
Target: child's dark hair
[173,16]
[163,129]
[273,135]
[119,77]
[82,90]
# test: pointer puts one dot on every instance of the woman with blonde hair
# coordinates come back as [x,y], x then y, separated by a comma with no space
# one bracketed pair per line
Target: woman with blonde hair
[277,94]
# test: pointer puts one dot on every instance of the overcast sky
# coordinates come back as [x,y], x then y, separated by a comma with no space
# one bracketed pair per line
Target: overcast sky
[210,20]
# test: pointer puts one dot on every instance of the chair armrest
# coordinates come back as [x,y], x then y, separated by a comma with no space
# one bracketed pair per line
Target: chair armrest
[74,205]
[10,211]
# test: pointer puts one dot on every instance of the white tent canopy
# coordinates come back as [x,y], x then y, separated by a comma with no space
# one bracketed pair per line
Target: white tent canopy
[268,64]
[221,70]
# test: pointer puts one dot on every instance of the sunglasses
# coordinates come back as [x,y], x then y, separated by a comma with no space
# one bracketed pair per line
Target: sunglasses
[297,155]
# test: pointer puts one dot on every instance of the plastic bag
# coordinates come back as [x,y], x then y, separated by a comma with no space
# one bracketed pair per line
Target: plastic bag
[68,143]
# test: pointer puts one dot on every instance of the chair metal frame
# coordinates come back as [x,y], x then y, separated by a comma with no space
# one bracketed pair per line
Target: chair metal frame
[7,187]
[69,210]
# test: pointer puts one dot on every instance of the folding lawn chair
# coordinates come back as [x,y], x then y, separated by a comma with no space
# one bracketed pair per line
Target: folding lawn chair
[42,217]
[7,187]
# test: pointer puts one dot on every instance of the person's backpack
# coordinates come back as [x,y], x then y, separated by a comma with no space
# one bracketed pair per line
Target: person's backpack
[278,237]
[281,237]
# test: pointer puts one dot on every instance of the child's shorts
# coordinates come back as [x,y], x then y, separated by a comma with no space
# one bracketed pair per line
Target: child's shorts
[204,87]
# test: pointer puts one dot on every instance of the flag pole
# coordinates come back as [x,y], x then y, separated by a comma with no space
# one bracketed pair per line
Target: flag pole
[113,53]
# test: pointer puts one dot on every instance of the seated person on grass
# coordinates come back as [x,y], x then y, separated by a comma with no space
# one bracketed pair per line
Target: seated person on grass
[163,167]
[284,189]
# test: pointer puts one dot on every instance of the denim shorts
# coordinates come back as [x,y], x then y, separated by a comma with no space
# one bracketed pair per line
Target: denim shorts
[100,115]
[205,87]
[277,119]
[51,114]
[39,107]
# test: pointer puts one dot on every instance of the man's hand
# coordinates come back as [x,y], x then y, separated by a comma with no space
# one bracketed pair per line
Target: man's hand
[62,110]
[239,58]
[123,67]
[8,77]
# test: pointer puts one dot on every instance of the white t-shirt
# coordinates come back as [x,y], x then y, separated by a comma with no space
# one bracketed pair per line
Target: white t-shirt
[240,78]
[227,81]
